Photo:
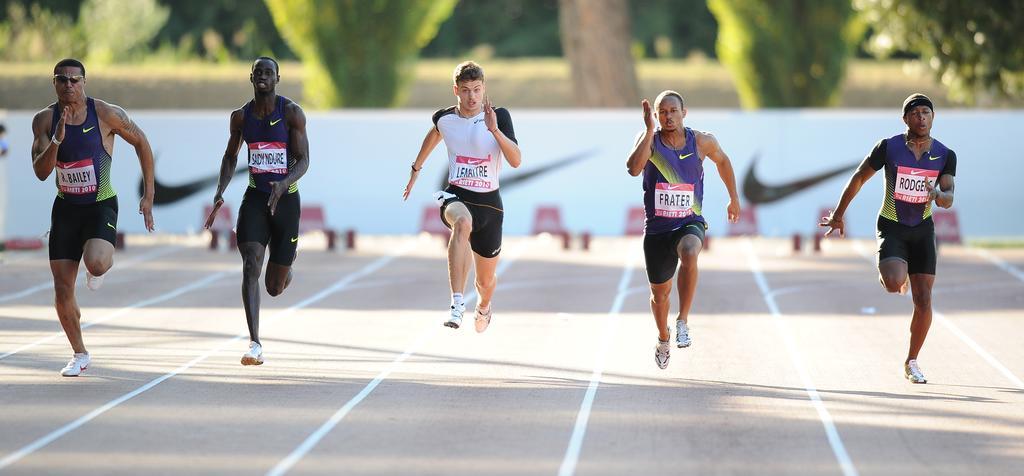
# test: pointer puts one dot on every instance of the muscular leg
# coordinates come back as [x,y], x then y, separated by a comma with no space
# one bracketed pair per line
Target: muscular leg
[689,249]
[98,256]
[252,265]
[921,290]
[278,278]
[486,279]
[660,300]
[65,272]
[893,274]
[459,251]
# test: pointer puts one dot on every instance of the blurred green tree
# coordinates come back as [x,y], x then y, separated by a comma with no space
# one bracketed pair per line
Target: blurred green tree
[974,48]
[119,30]
[358,53]
[36,33]
[786,53]
[245,28]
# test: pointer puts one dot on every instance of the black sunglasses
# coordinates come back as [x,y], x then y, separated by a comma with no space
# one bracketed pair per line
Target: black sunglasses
[63,78]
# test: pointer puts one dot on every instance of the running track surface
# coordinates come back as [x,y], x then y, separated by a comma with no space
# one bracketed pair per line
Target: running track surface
[796,367]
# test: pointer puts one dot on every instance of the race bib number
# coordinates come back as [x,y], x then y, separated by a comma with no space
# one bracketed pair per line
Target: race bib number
[472,172]
[910,184]
[268,158]
[76,178]
[673,200]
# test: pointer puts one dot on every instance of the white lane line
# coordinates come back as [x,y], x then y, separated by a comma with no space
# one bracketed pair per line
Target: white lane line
[339,285]
[966,339]
[611,324]
[124,310]
[286,464]
[838,449]
[81,274]
[999,262]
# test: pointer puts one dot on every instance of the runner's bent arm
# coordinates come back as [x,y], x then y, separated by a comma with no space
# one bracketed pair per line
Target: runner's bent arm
[644,146]
[119,122]
[44,151]
[429,142]
[943,196]
[230,159]
[504,134]
[835,221]
[298,148]
[298,144]
[709,145]
[227,163]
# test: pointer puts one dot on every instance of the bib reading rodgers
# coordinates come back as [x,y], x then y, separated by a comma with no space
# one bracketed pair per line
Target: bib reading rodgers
[268,158]
[673,200]
[76,178]
[472,173]
[910,184]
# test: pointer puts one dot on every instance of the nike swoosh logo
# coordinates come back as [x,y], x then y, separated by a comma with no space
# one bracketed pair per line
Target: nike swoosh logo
[933,158]
[295,239]
[757,192]
[275,122]
[518,179]
[111,226]
[168,194]
[681,157]
[916,172]
[263,146]
[87,130]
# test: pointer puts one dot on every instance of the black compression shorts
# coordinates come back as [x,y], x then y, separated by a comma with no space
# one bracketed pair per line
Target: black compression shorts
[661,251]
[488,215]
[279,231]
[72,225]
[915,245]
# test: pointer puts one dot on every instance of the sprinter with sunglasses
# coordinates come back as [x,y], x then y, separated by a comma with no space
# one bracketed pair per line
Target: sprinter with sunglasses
[75,137]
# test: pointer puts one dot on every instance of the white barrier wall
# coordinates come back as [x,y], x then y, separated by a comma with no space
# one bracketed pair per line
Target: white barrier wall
[360,164]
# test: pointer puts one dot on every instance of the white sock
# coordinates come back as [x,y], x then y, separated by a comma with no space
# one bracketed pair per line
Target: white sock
[457,301]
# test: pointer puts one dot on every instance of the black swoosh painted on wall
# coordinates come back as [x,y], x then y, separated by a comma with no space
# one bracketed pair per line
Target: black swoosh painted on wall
[754,191]
[168,194]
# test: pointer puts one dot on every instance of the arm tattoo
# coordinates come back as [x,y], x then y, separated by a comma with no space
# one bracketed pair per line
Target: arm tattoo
[126,126]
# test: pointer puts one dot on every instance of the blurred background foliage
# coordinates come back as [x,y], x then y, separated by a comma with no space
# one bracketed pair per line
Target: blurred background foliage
[972,49]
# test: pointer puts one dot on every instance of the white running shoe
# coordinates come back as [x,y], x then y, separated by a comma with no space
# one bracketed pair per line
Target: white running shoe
[455,320]
[913,373]
[77,365]
[661,354]
[93,282]
[255,354]
[682,334]
[482,320]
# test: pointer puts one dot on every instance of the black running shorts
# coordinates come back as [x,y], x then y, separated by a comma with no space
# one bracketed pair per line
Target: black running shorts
[661,251]
[915,245]
[72,225]
[488,216]
[280,232]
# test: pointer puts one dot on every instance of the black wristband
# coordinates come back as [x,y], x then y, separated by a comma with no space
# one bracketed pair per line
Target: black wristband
[414,169]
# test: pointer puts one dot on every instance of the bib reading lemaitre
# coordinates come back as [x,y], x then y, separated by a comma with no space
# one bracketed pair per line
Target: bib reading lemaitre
[906,197]
[474,156]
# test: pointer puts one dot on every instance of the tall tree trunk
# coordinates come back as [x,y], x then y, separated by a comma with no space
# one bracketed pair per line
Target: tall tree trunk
[596,40]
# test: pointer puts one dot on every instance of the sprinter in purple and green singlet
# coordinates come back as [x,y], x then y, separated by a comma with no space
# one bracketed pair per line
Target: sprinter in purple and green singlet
[273,128]
[914,162]
[671,159]
[74,137]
